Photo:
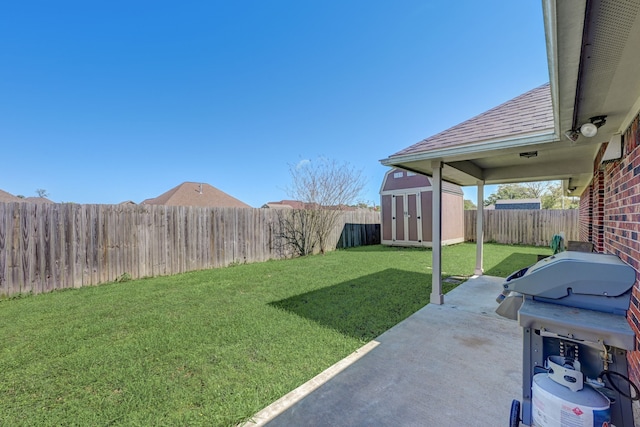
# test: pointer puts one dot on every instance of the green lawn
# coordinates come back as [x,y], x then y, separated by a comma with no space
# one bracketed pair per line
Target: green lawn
[209,347]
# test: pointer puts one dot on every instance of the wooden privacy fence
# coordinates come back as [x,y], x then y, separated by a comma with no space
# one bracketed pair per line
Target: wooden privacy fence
[54,246]
[525,227]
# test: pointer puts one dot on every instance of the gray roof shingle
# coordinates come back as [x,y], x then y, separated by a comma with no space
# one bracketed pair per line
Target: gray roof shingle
[529,113]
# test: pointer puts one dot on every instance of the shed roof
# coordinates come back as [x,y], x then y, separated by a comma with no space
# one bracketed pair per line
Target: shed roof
[399,180]
[196,194]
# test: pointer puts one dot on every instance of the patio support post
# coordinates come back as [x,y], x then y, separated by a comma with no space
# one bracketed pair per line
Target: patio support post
[436,234]
[480,230]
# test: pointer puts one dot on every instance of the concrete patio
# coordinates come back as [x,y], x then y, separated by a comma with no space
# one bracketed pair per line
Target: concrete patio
[456,364]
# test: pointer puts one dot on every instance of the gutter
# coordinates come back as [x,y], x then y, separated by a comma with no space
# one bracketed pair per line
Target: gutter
[585,40]
[473,148]
[549,14]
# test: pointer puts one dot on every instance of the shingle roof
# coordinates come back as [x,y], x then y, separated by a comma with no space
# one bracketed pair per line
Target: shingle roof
[275,205]
[296,204]
[196,194]
[517,201]
[529,113]
[291,204]
[38,200]
[8,197]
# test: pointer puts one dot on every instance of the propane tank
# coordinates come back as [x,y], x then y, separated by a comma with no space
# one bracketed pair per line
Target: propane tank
[559,398]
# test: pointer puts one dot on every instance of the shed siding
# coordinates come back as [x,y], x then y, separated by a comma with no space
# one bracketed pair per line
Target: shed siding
[406,181]
[453,221]
[406,201]
[427,214]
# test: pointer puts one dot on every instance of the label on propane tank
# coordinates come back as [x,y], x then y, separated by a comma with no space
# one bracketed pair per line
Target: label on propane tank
[552,406]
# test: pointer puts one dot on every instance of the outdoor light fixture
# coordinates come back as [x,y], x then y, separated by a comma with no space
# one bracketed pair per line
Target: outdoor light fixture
[572,135]
[589,129]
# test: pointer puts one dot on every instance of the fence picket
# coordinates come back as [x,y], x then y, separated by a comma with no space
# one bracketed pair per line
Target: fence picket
[56,246]
[524,227]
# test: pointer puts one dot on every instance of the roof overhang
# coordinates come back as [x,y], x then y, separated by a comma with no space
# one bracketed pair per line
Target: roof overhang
[593,67]
[593,62]
[468,164]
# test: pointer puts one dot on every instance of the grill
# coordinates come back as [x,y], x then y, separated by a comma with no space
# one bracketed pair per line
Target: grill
[574,304]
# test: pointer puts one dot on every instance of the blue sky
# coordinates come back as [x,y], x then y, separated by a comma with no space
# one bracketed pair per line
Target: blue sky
[102,102]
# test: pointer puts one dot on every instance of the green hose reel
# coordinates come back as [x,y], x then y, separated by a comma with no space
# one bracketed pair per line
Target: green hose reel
[557,243]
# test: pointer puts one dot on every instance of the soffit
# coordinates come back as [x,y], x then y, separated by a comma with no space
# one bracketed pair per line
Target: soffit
[606,78]
[593,71]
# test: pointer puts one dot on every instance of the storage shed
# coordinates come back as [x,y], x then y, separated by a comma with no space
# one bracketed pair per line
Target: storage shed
[406,200]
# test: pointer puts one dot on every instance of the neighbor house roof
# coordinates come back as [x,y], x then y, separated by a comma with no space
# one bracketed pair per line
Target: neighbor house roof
[275,205]
[8,197]
[296,204]
[39,200]
[518,204]
[196,194]
[529,113]
[286,204]
[517,201]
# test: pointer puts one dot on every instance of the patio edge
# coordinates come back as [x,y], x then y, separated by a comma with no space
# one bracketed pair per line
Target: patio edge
[288,400]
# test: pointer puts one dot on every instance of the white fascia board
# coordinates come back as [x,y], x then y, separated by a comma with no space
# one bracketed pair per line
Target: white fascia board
[412,190]
[463,151]
[549,13]
[384,180]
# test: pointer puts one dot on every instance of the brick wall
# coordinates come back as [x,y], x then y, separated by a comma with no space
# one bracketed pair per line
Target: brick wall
[597,207]
[585,214]
[612,203]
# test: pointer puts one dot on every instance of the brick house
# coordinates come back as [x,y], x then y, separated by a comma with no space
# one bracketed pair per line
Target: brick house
[582,128]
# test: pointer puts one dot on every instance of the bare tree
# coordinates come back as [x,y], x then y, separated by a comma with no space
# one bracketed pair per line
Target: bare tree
[326,187]
[535,190]
[528,190]
[41,192]
[296,232]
